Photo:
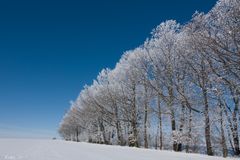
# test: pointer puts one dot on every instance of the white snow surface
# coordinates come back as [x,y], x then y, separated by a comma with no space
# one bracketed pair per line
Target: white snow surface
[31,149]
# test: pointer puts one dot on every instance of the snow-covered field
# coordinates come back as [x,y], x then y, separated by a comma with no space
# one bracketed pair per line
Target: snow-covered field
[29,149]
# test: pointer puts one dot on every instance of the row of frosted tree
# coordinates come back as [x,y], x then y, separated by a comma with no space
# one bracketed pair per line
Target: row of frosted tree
[178,91]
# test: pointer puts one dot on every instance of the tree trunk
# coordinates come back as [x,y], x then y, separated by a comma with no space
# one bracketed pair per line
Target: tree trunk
[160,125]
[102,129]
[172,116]
[77,133]
[134,119]
[145,129]
[229,131]
[207,124]
[145,119]
[182,121]
[189,137]
[235,128]
[224,145]
[118,128]
[173,125]
[156,140]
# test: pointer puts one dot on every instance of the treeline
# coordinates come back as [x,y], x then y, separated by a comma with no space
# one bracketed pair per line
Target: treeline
[179,91]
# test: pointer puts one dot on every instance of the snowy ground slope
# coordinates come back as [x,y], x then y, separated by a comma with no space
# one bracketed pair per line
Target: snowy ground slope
[26,149]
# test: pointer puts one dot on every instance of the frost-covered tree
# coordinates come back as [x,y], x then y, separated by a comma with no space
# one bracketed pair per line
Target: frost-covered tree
[179,90]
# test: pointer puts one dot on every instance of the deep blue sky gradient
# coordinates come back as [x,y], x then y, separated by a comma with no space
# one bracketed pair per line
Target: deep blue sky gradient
[49,49]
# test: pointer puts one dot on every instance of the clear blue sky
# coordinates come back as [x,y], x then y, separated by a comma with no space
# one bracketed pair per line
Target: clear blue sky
[50,49]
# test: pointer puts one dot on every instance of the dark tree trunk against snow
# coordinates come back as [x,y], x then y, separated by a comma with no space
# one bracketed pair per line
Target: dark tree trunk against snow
[182,122]
[235,98]
[145,117]
[207,123]
[118,127]
[173,125]
[230,139]
[134,118]
[145,129]
[102,129]
[172,117]
[223,139]
[230,128]
[77,134]
[156,140]
[189,133]
[119,133]
[160,124]
[235,127]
